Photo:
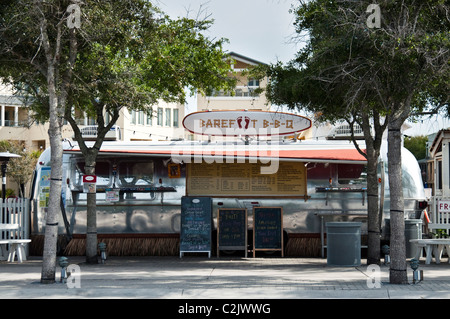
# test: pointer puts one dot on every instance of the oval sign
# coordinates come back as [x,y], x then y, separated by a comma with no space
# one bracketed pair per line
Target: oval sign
[251,123]
[89,178]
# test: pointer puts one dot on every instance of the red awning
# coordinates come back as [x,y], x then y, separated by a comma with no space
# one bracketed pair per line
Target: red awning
[336,154]
[297,153]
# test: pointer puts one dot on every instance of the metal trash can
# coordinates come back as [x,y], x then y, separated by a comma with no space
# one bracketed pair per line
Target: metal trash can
[413,230]
[344,243]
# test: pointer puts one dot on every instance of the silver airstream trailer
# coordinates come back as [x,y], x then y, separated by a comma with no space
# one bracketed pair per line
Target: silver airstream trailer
[140,185]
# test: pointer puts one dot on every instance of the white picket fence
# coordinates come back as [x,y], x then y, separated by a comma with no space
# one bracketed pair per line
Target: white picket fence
[15,211]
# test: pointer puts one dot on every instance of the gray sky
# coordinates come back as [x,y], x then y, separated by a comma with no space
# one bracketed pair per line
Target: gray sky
[428,125]
[261,30]
[258,29]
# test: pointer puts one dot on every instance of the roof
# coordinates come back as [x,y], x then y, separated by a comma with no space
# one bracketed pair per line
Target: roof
[12,100]
[245,59]
[8,155]
[436,146]
[305,151]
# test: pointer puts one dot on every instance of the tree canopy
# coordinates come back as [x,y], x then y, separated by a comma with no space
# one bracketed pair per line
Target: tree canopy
[372,64]
[417,145]
[97,57]
[345,61]
[20,169]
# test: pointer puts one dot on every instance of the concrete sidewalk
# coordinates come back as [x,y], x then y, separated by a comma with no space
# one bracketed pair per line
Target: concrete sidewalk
[219,278]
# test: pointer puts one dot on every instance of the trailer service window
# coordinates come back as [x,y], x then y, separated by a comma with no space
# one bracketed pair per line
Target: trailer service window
[102,171]
[129,173]
[135,173]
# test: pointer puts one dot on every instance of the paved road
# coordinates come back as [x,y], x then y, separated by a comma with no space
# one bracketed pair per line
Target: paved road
[219,278]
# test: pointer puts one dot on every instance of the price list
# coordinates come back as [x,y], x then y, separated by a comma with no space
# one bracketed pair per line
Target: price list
[245,179]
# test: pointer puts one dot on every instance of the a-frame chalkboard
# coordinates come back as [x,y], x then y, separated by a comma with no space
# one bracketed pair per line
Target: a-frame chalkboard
[196,225]
[268,229]
[232,229]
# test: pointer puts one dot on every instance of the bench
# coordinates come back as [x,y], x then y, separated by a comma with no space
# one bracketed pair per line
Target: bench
[439,218]
[432,247]
[16,245]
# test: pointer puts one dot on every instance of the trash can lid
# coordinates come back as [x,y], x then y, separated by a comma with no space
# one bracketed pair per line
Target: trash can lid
[344,224]
[413,221]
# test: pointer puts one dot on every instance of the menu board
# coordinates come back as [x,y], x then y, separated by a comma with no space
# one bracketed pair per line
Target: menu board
[245,179]
[267,229]
[196,225]
[232,229]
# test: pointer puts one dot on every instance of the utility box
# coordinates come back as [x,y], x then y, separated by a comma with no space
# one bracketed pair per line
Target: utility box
[344,243]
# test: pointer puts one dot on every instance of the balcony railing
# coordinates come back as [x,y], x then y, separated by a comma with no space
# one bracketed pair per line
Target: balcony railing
[238,92]
[89,132]
[12,123]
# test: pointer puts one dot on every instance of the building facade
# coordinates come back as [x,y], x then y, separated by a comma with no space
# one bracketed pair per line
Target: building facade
[15,122]
[162,123]
[244,96]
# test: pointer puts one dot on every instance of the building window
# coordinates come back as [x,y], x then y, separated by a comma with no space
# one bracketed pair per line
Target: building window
[107,118]
[91,121]
[133,117]
[141,117]
[248,91]
[253,82]
[175,117]
[149,119]
[160,116]
[168,117]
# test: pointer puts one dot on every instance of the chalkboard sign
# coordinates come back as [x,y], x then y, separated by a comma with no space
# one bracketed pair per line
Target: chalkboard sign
[196,225]
[232,229]
[267,229]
